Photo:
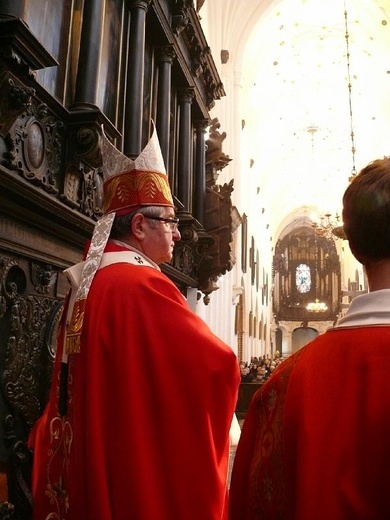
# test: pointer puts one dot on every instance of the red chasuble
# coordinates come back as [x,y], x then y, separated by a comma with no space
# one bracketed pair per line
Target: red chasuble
[151,397]
[315,444]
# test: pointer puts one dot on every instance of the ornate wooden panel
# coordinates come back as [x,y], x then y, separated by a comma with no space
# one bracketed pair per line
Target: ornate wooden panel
[29,312]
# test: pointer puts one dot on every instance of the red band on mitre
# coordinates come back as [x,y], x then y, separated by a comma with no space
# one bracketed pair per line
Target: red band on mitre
[129,190]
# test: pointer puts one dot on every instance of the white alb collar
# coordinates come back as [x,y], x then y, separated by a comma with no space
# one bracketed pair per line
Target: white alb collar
[368,309]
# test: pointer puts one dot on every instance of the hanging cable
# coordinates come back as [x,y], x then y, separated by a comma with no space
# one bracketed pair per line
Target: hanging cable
[353,148]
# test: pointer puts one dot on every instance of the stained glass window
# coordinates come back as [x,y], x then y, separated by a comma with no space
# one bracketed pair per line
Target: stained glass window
[303,278]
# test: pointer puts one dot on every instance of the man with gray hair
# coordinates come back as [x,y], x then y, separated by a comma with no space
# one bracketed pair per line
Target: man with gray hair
[143,392]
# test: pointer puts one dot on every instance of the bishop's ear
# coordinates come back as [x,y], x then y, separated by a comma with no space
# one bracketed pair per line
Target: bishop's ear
[138,223]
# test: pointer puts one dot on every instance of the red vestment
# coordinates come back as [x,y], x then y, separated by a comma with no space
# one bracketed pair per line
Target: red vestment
[151,397]
[315,444]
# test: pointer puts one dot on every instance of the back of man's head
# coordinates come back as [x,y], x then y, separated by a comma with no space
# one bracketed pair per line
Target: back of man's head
[366,212]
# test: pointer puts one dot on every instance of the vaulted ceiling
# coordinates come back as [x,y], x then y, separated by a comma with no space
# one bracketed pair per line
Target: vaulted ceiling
[315,79]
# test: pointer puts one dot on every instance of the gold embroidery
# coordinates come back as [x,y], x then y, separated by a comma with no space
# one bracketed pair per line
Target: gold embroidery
[126,190]
[267,480]
[61,438]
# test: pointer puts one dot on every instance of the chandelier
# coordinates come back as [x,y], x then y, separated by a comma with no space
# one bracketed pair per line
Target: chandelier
[317,306]
[328,226]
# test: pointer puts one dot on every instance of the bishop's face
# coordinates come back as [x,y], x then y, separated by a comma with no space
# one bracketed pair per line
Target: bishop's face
[161,233]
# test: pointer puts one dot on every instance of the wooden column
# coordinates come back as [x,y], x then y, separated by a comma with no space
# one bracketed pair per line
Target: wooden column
[135,78]
[90,53]
[185,149]
[15,8]
[166,55]
[200,170]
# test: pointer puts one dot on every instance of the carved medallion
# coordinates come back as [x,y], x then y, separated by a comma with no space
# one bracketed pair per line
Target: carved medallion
[34,147]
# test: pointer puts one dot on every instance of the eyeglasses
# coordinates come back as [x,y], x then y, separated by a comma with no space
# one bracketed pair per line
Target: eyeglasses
[173,223]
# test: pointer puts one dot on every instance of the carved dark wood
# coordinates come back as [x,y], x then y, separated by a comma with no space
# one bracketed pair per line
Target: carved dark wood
[34,139]
[216,159]
[7,511]
[217,256]
[218,222]
[29,312]
[20,48]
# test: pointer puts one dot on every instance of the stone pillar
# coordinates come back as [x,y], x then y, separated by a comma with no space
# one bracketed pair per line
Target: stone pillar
[185,149]
[165,58]
[90,54]
[200,170]
[135,79]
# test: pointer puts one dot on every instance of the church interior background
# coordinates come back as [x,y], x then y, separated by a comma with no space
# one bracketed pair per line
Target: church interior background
[306,108]
[265,110]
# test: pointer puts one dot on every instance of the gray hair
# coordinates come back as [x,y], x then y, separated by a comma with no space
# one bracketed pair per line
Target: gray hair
[121,225]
